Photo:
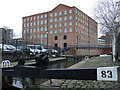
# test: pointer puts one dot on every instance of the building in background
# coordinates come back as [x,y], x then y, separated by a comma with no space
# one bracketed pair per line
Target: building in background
[7,35]
[62,27]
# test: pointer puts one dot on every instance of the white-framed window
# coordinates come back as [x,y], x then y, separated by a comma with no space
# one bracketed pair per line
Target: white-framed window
[37,29]
[65,12]
[70,30]
[34,23]
[27,24]
[51,32]
[31,30]
[24,31]
[41,29]
[38,36]
[34,30]
[51,15]
[55,25]
[51,26]
[41,22]
[31,18]
[24,24]
[70,23]
[65,30]
[45,35]
[55,14]
[31,24]
[70,17]
[41,35]
[51,20]
[60,31]
[45,15]
[60,19]
[45,28]
[27,30]
[24,19]
[70,11]
[30,36]
[34,17]
[28,19]
[65,24]
[60,13]
[60,25]
[55,19]
[65,18]
[37,22]
[55,31]
[38,17]
[34,36]
[41,16]
[46,21]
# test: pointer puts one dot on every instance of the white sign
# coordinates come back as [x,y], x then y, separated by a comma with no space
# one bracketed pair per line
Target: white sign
[6,63]
[107,73]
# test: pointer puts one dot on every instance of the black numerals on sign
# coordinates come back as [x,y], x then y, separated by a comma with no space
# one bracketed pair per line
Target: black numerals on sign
[106,74]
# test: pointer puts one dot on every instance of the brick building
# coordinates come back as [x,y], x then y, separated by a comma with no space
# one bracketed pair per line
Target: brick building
[63,27]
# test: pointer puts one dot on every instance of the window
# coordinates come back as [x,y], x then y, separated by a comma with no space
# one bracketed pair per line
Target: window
[37,22]
[51,26]
[70,17]
[31,24]
[55,25]
[70,11]
[65,30]
[70,30]
[65,18]
[60,31]
[51,20]
[34,29]
[41,29]
[41,35]
[65,12]
[56,45]
[45,21]
[31,18]
[60,25]
[38,36]
[45,15]
[65,45]
[34,23]
[55,19]
[41,22]
[37,29]
[65,37]
[27,19]
[34,17]
[70,23]
[55,14]
[51,15]
[45,28]
[55,31]
[60,19]
[24,31]
[45,35]
[41,16]
[65,24]
[24,25]
[24,19]
[34,36]
[27,30]
[27,24]
[30,30]
[60,13]
[37,17]
[30,36]
[51,32]
[56,38]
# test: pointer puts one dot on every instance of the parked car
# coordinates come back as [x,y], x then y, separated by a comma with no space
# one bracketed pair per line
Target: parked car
[23,49]
[37,49]
[7,48]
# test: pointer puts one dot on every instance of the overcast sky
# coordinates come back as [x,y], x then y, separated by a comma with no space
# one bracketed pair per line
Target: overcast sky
[12,11]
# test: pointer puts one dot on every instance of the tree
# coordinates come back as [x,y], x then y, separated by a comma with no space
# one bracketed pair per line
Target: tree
[107,13]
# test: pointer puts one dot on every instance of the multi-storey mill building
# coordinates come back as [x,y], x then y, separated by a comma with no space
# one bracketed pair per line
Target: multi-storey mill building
[63,27]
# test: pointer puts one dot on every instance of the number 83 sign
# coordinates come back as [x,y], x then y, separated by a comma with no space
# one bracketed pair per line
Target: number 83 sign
[107,73]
